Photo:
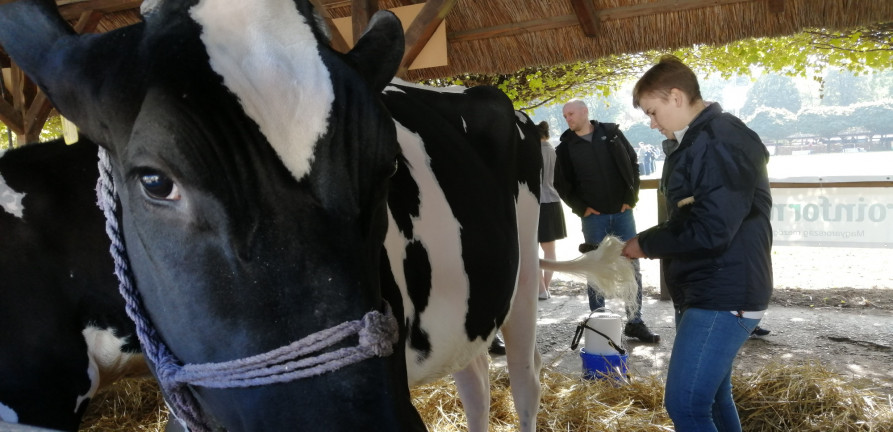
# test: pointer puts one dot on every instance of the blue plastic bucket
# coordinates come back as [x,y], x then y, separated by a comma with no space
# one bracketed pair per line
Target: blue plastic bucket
[598,366]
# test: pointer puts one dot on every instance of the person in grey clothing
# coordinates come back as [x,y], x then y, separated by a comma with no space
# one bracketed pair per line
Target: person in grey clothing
[551,226]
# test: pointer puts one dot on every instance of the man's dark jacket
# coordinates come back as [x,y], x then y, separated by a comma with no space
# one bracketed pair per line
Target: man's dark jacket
[566,179]
[716,244]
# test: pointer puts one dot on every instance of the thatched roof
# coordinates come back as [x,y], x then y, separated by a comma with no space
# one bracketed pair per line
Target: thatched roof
[504,36]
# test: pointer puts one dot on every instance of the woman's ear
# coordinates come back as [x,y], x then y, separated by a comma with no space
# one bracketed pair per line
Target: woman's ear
[678,98]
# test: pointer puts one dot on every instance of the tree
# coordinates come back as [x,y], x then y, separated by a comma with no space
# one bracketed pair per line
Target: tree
[773,91]
[642,132]
[874,117]
[823,121]
[773,123]
[841,87]
[4,137]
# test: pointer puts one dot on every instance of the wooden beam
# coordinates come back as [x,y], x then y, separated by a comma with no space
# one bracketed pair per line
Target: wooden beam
[423,26]
[19,92]
[587,16]
[72,9]
[513,29]
[16,88]
[338,43]
[361,13]
[776,6]
[12,119]
[36,116]
[665,6]
[88,21]
[622,12]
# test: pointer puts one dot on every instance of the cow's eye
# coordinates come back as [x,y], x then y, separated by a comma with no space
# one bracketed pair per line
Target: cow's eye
[159,186]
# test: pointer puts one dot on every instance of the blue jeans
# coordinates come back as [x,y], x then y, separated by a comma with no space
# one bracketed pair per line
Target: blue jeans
[623,225]
[698,396]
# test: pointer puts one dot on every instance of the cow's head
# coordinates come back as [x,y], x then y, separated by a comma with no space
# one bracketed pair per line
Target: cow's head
[251,162]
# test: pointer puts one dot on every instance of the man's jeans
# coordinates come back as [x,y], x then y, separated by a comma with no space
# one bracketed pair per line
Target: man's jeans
[623,225]
[699,379]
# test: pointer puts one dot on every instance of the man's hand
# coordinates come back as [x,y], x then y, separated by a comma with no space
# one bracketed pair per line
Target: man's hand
[625,207]
[632,249]
[591,211]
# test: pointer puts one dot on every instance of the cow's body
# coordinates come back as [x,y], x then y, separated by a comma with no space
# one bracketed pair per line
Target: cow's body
[264,197]
[63,330]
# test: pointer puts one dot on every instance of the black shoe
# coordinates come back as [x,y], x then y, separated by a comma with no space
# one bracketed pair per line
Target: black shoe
[586,247]
[640,331]
[497,347]
[759,331]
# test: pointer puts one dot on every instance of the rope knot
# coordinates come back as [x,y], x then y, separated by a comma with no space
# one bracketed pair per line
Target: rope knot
[379,332]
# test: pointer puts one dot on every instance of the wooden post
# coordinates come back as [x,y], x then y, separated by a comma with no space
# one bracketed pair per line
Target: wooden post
[662,217]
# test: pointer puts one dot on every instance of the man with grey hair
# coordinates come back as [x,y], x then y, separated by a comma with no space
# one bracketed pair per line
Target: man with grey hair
[597,176]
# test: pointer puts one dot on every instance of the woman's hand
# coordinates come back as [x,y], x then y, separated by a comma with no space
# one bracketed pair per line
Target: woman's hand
[632,249]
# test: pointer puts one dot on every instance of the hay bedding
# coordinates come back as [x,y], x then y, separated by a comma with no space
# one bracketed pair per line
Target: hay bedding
[781,397]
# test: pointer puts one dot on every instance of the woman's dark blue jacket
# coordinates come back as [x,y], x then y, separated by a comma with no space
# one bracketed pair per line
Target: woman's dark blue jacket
[716,249]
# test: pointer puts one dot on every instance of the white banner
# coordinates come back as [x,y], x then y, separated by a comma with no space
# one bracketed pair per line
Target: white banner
[833,217]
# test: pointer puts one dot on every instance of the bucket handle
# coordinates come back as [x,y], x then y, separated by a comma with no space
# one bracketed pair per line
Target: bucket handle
[581,328]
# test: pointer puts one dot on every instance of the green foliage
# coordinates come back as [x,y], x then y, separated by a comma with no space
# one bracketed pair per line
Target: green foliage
[806,54]
[534,87]
[52,129]
[4,137]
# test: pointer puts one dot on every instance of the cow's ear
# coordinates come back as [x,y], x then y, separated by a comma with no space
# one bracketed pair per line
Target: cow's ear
[63,64]
[32,32]
[378,53]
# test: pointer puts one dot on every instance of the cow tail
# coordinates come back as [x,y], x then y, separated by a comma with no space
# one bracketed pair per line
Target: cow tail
[605,269]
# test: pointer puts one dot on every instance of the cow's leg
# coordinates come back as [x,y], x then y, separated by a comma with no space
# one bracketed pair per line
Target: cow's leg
[522,357]
[473,385]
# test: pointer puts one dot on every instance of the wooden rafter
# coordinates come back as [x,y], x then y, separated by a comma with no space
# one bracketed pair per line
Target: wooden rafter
[617,13]
[422,28]
[36,116]
[337,41]
[11,117]
[88,21]
[362,13]
[73,9]
[587,16]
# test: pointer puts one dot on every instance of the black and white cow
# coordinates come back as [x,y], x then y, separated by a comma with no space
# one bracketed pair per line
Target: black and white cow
[265,202]
[63,329]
